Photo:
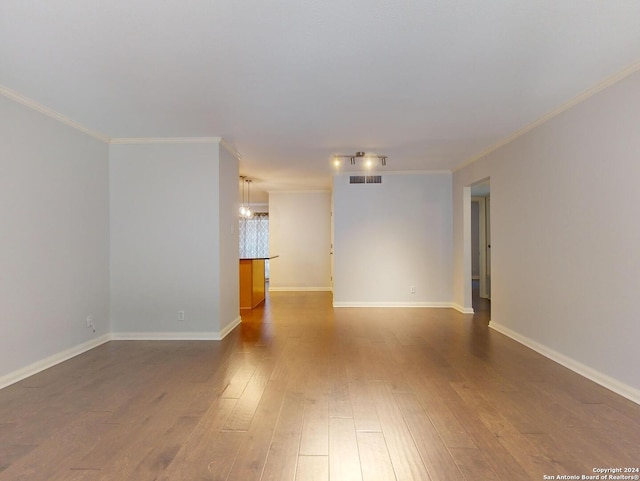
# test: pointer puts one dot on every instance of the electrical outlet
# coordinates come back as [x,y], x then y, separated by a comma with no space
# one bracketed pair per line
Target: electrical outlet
[412,289]
[90,321]
[181,315]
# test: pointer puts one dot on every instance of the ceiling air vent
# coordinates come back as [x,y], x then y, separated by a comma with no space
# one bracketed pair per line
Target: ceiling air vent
[365,179]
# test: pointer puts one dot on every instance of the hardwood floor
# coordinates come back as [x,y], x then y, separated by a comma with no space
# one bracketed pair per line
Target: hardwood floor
[300,391]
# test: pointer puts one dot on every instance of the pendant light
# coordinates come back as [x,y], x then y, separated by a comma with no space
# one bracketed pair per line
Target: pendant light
[248,212]
[243,209]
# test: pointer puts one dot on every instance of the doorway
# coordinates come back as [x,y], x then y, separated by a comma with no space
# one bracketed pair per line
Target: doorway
[481,246]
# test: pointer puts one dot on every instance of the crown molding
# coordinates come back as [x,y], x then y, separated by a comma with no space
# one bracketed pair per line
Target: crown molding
[165,140]
[38,107]
[299,191]
[32,104]
[608,82]
[229,148]
[392,172]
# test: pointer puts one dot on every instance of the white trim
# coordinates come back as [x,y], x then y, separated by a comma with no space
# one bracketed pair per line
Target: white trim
[229,148]
[36,367]
[417,172]
[482,244]
[229,327]
[32,104]
[51,361]
[393,304]
[255,206]
[165,140]
[461,309]
[596,376]
[467,291]
[299,289]
[177,336]
[165,336]
[345,173]
[310,191]
[590,92]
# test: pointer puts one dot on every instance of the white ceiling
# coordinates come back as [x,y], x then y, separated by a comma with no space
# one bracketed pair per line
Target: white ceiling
[288,83]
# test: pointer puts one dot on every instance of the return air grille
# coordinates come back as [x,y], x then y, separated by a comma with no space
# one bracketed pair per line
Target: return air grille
[365,179]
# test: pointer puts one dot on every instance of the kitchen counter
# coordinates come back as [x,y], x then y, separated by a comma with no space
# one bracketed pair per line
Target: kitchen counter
[252,281]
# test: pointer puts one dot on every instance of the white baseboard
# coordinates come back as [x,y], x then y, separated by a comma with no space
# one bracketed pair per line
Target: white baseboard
[299,289]
[51,361]
[463,310]
[393,304]
[229,327]
[596,376]
[166,336]
[177,336]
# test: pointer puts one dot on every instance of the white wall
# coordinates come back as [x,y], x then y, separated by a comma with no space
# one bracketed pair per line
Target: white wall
[54,246]
[300,233]
[165,239]
[565,236]
[229,293]
[391,236]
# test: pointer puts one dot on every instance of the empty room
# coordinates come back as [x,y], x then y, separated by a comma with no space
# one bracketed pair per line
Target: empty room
[319,240]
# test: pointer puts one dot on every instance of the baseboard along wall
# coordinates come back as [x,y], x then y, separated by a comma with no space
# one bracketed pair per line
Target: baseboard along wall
[38,366]
[608,382]
[46,363]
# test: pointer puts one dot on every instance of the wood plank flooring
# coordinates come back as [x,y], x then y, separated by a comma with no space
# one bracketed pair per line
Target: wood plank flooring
[301,391]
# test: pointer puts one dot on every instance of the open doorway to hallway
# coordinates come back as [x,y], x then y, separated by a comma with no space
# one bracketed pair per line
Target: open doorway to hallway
[481,246]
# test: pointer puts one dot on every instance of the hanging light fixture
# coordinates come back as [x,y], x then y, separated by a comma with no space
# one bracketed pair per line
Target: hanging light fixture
[248,212]
[243,209]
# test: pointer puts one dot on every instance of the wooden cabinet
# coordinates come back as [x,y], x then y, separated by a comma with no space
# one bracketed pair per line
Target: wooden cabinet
[252,283]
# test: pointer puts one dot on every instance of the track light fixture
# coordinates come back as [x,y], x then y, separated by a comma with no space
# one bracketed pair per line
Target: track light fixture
[367,158]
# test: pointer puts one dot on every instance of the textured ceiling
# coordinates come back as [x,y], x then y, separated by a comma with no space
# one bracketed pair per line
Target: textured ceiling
[288,83]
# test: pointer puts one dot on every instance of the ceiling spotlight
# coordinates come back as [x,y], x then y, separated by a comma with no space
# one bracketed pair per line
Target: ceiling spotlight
[367,158]
[336,161]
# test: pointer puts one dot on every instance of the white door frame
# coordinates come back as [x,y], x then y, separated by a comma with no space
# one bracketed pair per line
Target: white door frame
[482,243]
